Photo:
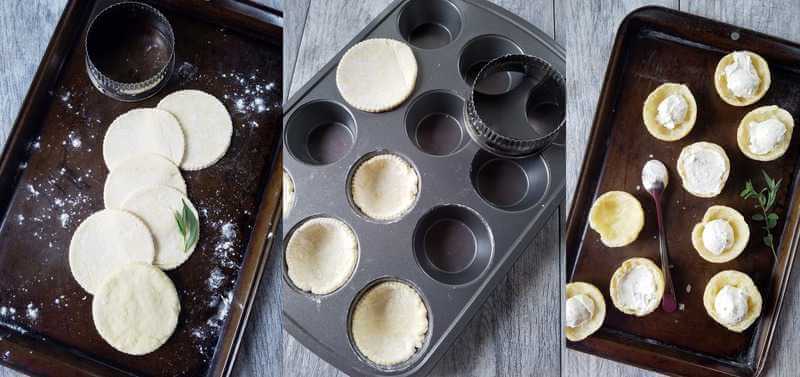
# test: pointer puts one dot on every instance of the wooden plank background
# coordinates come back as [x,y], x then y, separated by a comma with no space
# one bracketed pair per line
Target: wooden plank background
[517,331]
[589,41]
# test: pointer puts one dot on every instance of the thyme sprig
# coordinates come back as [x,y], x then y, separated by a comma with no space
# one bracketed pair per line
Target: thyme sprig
[765,197]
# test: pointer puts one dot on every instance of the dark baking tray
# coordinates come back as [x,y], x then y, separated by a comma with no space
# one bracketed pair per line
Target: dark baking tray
[53,165]
[656,45]
[321,323]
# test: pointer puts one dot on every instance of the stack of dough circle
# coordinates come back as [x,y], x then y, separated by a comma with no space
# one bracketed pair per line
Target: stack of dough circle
[581,332]
[141,131]
[618,217]
[107,240]
[650,112]
[377,75]
[384,187]
[389,323]
[615,287]
[741,234]
[321,255]
[206,124]
[136,309]
[738,280]
[140,172]
[721,84]
[759,115]
[156,206]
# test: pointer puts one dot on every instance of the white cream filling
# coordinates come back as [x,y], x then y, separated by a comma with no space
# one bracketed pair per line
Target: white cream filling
[579,310]
[672,111]
[730,305]
[764,136]
[717,236]
[704,169]
[638,289]
[742,78]
[654,171]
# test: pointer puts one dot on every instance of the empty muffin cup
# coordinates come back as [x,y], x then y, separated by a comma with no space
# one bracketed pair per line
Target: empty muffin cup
[453,244]
[511,184]
[434,123]
[480,51]
[130,51]
[321,255]
[383,186]
[320,132]
[389,324]
[429,24]
[523,121]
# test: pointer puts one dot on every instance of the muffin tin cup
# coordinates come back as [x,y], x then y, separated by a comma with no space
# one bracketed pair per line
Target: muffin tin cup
[130,51]
[455,244]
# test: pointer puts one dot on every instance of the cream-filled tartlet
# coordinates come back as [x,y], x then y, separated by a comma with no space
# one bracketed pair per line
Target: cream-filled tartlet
[389,323]
[722,234]
[732,299]
[384,187]
[585,311]
[670,112]
[704,168]
[637,287]
[742,78]
[321,255]
[618,217]
[764,134]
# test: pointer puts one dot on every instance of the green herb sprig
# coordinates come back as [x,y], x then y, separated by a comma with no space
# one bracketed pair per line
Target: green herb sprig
[189,225]
[766,199]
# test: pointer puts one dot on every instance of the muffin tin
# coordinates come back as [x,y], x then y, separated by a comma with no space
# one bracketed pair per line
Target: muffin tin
[461,207]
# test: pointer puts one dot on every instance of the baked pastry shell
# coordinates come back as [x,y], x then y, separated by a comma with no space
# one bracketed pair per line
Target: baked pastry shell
[721,83]
[625,268]
[759,115]
[618,217]
[682,170]
[583,331]
[650,111]
[741,234]
[738,280]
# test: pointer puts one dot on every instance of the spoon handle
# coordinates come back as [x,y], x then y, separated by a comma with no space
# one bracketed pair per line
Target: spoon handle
[669,303]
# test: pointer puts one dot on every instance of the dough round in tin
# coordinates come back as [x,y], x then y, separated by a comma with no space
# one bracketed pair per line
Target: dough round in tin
[142,131]
[321,255]
[377,75]
[206,124]
[138,173]
[156,206]
[136,309]
[104,241]
[389,323]
[384,187]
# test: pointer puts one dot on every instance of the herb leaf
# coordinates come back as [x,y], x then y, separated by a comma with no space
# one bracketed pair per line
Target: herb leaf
[766,199]
[188,225]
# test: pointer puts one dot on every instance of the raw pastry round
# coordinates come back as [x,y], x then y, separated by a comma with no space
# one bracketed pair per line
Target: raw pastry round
[140,172]
[136,309]
[618,217]
[141,131]
[156,206]
[738,280]
[759,115]
[384,187]
[620,273]
[106,240]
[650,111]
[288,193]
[206,124]
[321,255]
[581,332]
[741,234]
[377,75]
[389,323]
[721,84]
[682,171]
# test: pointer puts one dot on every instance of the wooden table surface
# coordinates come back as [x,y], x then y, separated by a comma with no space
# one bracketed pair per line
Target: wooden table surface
[517,332]
[589,44]
[25,29]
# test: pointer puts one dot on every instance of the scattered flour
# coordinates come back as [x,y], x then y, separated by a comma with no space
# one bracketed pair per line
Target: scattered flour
[32,312]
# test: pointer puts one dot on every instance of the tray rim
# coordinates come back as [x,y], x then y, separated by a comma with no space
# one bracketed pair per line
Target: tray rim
[258,249]
[790,236]
[556,206]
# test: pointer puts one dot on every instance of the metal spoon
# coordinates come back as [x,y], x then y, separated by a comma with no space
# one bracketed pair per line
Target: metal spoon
[654,180]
